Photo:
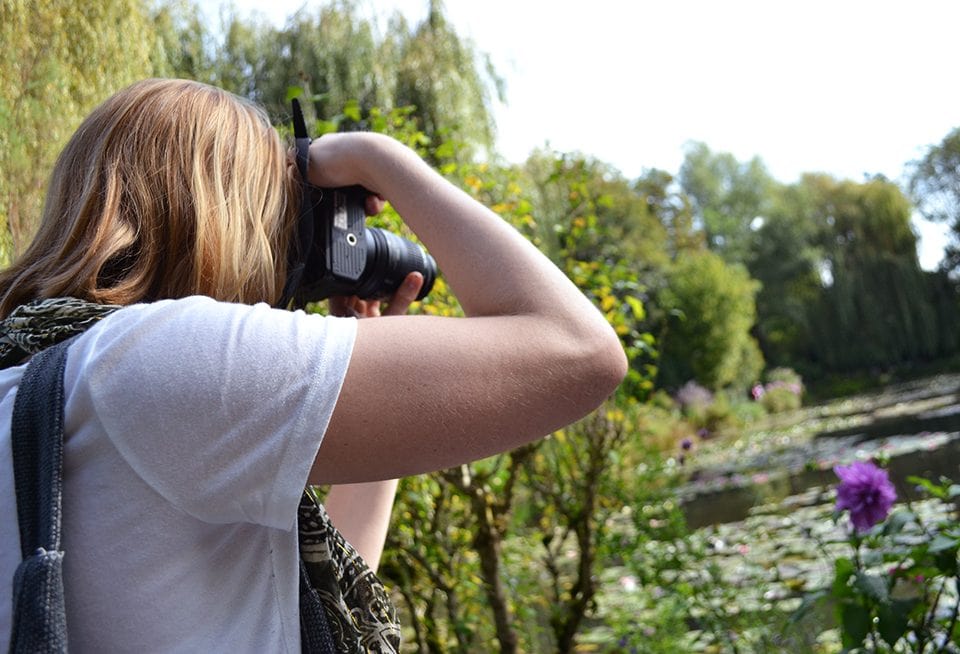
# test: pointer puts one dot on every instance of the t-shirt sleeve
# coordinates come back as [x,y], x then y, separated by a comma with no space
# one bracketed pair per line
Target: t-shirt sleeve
[220,408]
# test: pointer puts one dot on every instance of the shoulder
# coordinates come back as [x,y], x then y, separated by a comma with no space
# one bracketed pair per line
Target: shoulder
[204,323]
[241,394]
[197,342]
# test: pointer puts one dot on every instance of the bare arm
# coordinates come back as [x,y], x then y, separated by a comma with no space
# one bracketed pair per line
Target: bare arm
[361,512]
[532,355]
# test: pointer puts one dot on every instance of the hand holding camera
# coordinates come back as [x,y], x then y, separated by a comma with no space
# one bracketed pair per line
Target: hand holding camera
[333,252]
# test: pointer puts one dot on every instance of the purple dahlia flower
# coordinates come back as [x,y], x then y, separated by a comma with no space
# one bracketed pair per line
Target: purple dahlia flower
[866,491]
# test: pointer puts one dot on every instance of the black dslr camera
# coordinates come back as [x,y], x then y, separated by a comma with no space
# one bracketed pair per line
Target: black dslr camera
[333,252]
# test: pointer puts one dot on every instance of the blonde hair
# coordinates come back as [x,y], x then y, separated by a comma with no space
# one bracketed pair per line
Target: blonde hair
[169,188]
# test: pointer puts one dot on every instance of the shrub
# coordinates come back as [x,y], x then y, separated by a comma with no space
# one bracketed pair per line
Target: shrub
[782,392]
[709,307]
[693,398]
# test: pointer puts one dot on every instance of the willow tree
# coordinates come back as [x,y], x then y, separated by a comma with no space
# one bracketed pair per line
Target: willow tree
[59,59]
[451,84]
[877,308]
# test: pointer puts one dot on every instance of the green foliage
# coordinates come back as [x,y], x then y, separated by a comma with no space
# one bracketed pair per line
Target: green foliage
[336,56]
[935,187]
[603,236]
[782,392]
[711,309]
[893,592]
[330,52]
[876,307]
[727,196]
[452,85]
[59,59]
[842,289]
[184,43]
[673,209]
[786,260]
[779,399]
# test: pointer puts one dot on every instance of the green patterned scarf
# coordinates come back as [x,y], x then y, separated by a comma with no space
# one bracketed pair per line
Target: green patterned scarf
[36,326]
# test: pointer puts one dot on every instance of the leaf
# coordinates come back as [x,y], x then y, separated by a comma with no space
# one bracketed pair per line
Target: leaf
[844,569]
[352,111]
[325,127]
[897,521]
[293,92]
[855,620]
[874,587]
[636,306]
[943,542]
[927,485]
[892,621]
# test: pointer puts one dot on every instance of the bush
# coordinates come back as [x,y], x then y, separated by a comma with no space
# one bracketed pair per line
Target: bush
[693,399]
[782,392]
[710,309]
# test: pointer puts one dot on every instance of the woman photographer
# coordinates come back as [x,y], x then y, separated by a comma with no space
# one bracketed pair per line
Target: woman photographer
[195,414]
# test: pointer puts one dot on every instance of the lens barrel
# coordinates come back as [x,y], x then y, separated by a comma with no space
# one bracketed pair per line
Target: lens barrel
[390,258]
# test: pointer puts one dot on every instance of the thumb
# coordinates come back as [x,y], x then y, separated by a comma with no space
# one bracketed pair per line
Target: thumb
[405,295]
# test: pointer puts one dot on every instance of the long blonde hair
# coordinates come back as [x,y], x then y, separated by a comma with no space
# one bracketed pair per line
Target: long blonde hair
[169,188]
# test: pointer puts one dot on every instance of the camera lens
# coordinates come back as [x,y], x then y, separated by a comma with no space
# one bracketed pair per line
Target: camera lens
[390,258]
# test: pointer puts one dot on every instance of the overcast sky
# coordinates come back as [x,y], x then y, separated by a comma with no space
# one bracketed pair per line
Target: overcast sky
[846,87]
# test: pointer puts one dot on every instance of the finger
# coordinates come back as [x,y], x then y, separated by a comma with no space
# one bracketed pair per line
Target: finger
[368,308]
[339,305]
[350,306]
[405,295]
[373,205]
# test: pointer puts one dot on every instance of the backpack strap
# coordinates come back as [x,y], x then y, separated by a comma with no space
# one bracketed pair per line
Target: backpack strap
[39,612]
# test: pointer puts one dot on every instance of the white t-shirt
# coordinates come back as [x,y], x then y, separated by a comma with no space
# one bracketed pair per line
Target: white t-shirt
[191,426]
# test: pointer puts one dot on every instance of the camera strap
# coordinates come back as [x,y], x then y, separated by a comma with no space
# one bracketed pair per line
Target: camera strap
[302,239]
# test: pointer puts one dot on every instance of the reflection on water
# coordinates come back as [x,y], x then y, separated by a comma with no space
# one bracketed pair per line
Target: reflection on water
[917,435]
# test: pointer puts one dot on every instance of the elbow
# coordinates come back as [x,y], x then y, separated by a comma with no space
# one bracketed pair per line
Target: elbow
[612,364]
[603,365]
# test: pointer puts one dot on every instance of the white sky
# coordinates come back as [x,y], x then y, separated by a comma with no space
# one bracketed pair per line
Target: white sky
[847,87]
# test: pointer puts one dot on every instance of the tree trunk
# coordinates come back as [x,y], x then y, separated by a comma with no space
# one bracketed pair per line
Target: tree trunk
[487,544]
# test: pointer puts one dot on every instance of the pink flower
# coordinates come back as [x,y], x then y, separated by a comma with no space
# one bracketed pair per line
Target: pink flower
[757,391]
[865,490]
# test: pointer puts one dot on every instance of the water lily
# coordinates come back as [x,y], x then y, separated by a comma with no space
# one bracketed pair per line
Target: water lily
[866,491]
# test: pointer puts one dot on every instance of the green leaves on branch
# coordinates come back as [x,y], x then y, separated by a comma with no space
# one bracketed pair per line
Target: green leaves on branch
[893,593]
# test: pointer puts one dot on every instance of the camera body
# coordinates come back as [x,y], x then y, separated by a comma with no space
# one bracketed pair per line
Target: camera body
[349,258]
[333,252]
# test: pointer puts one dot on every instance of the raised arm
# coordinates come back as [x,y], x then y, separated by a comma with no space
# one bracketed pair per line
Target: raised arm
[424,393]
[362,511]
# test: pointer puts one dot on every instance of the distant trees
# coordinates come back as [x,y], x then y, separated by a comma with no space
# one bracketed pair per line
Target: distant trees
[728,198]
[877,308]
[842,289]
[935,186]
[337,57]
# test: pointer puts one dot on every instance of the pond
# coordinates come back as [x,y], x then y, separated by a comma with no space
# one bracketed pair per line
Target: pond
[762,532]
[913,427]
